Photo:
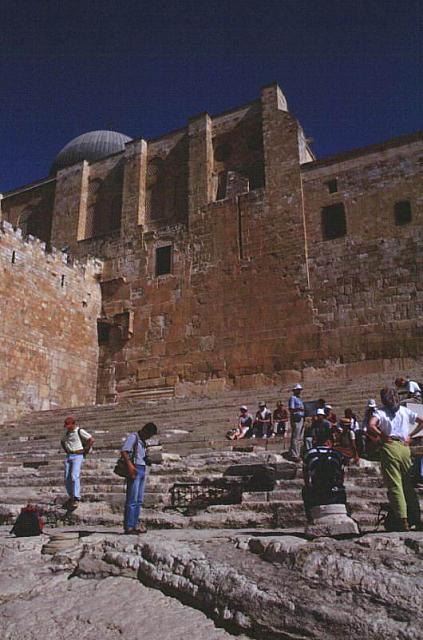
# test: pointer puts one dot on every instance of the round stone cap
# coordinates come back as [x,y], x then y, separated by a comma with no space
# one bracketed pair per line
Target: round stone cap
[90,146]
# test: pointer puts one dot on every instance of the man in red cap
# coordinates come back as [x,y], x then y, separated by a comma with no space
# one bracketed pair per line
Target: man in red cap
[76,443]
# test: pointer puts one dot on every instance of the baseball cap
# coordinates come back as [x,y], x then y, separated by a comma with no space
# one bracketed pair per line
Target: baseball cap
[243,407]
[297,386]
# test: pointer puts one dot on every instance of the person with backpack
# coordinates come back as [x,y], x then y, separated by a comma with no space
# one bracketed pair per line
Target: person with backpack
[393,425]
[76,444]
[323,473]
[134,455]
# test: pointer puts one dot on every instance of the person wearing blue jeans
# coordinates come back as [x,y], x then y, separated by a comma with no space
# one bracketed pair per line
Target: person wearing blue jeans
[134,454]
[76,443]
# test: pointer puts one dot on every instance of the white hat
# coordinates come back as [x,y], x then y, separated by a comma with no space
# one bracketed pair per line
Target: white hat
[243,407]
[320,412]
[328,406]
[297,387]
[371,403]
[262,404]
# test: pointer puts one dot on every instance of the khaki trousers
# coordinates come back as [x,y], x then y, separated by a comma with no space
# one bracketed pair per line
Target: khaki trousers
[396,464]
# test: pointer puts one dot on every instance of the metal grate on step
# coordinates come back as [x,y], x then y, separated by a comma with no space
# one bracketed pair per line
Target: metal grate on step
[199,495]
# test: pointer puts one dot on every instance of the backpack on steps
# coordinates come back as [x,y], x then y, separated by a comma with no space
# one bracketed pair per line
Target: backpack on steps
[326,469]
[28,523]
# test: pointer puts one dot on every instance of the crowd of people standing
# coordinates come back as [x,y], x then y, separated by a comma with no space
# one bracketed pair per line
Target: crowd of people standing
[317,434]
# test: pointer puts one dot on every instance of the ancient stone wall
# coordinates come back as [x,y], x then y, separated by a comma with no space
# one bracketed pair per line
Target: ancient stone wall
[48,332]
[232,257]
[367,283]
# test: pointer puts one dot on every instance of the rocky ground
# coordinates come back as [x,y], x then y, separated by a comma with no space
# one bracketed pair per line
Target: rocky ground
[39,600]
[182,583]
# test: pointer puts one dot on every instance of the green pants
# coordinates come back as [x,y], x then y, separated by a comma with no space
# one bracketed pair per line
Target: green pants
[396,464]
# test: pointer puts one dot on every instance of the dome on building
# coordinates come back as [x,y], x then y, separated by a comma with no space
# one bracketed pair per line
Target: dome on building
[90,146]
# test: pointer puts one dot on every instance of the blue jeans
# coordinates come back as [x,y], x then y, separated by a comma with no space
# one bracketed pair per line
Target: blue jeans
[134,498]
[73,463]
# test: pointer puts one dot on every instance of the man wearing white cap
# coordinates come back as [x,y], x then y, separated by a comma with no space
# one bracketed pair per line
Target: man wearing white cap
[296,413]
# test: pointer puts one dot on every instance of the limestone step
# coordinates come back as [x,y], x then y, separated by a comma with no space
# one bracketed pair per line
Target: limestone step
[146,394]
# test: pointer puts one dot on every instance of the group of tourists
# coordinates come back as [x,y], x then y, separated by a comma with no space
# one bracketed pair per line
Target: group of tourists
[324,444]
[265,424]
[389,428]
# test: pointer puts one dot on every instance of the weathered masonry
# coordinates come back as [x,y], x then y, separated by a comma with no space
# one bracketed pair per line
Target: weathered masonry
[48,313]
[231,256]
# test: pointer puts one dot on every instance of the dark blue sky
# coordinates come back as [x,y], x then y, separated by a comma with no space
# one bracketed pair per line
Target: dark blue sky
[351,71]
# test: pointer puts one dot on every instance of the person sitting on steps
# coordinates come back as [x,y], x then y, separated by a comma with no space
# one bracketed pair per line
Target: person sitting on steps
[346,443]
[408,390]
[244,427]
[280,419]
[263,425]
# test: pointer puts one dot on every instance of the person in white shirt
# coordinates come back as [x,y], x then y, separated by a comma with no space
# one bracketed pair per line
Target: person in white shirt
[76,443]
[410,389]
[393,424]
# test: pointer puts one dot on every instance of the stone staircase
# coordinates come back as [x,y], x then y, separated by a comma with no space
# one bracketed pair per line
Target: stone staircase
[192,434]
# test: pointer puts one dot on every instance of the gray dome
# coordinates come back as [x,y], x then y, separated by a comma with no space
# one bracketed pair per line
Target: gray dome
[91,146]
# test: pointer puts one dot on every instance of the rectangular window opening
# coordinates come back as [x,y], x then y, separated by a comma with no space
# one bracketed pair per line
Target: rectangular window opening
[163,260]
[332,185]
[402,212]
[334,223]
[103,332]
[222,181]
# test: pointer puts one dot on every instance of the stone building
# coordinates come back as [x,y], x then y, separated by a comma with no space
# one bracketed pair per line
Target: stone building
[230,255]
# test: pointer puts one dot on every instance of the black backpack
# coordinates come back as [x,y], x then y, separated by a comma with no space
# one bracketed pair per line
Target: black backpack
[28,523]
[325,469]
